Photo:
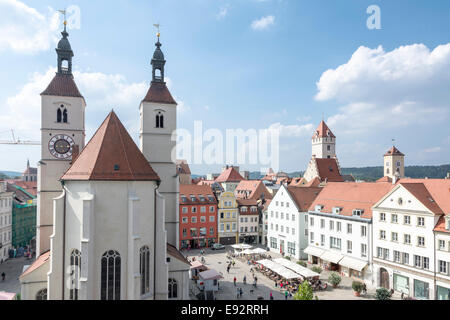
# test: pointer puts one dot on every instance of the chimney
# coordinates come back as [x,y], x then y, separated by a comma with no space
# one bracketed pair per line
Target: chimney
[75,152]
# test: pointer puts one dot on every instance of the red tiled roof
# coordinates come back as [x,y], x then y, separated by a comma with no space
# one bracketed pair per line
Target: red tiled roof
[350,196]
[183,167]
[420,192]
[440,226]
[394,152]
[229,175]
[28,186]
[43,258]
[297,182]
[111,155]
[304,196]
[62,85]
[159,93]
[314,182]
[194,189]
[252,189]
[329,170]
[385,179]
[323,131]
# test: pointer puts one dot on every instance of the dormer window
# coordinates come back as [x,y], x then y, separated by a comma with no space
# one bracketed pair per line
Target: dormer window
[447,223]
[193,199]
[202,198]
[183,198]
[358,212]
[337,210]
[318,207]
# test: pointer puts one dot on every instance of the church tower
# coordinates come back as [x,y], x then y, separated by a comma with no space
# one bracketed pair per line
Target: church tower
[323,142]
[62,127]
[394,163]
[158,117]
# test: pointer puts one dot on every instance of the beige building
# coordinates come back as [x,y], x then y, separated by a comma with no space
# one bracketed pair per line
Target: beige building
[184,172]
[228,219]
[394,163]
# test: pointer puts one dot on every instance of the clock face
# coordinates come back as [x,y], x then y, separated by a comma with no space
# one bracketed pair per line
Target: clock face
[60,146]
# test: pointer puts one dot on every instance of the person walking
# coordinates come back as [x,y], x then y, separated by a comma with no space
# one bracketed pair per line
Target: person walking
[3,276]
[233,263]
[234,280]
[276,283]
[240,292]
[237,293]
[271,295]
[286,293]
[245,280]
[228,269]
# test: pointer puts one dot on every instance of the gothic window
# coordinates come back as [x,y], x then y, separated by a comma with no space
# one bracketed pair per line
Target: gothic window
[75,268]
[144,263]
[64,116]
[159,120]
[328,148]
[58,115]
[173,289]
[61,115]
[110,276]
[41,294]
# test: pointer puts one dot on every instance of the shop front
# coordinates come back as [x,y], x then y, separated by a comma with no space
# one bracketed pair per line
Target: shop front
[314,254]
[401,283]
[353,268]
[421,290]
[248,238]
[442,293]
[330,261]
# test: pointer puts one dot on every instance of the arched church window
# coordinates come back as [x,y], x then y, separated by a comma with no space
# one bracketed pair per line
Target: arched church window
[65,116]
[41,294]
[144,262]
[110,276]
[75,270]
[159,120]
[173,289]
[58,115]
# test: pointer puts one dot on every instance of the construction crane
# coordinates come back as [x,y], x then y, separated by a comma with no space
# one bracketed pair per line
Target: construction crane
[18,141]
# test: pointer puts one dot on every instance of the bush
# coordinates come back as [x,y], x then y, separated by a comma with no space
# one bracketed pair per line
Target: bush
[305,292]
[382,294]
[334,279]
[287,257]
[302,263]
[317,269]
[357,286]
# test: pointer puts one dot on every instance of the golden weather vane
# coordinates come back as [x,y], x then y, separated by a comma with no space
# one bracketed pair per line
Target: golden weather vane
[157,25]
[63,12]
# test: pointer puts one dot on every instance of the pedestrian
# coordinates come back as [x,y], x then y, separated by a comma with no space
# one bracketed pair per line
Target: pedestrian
[271,296]
[245,280]
[228,269]
[3,276]
[234,281]
[276,283]
[240,292]
[237,293]
[286,295]
[281,285]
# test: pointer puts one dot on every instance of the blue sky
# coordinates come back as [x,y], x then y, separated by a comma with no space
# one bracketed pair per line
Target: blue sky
[230,75]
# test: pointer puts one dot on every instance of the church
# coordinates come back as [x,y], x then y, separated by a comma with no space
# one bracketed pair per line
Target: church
[107,222]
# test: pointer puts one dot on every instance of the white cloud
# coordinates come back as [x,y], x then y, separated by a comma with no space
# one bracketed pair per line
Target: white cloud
[25,30]
[379,89]
[293,130]
[263,23]
[433,150]
[223,12]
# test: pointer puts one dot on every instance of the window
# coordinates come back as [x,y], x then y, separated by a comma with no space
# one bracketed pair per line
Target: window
[441,245]
[202,209]
[311,237]
[379,252]
[173,288]
[331,225]
[426,263]
[335,243]
[349,228]
[110,276]
[211,231]
[442,266]
[41,294]
[394,236]
[61,115]
[394,218]
[184,232]
[293,217]
[396,256]
[417,261]
[75,268]
[291,248]
[211,209]
[282,228]
[159,120]
[421,241]
[287,229]
[363,231]
[382,216]
[407,239]
[363,250]
[311,221]
[421,221]
[421,289]
[202,219]
[386,254]
[185,210]
[407,220]
[193,219]
[273,243]
[184,220]
[405,258]
[338,226]
[322,240]
[349,246]
[144,263]
[194,209]
[211,218]
[382,235]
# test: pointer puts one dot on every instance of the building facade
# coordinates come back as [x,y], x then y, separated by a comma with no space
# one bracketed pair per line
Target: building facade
[410,249]
[6,199]
[228,217]
[288,220]
[198,216]
[394,164]
[248,221]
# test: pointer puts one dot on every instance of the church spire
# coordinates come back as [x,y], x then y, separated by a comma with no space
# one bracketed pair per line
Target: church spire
[158,61]
[65,53]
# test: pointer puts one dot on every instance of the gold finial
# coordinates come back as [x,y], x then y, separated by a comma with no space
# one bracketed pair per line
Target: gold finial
[157,25]
[63,12]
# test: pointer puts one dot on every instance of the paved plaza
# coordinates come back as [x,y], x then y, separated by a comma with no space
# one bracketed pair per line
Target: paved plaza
[217,260]
[13,269]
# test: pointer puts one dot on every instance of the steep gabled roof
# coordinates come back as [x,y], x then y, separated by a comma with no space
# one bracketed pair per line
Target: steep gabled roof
[329,170]
[323,131]
[440,226]
[304,196]
[40,261]
[159,93]
[420,192]
[229,175]
[175,253]
[183,167]
[394,152]
[62,85]
[252,189]
[111,155]
[196,190]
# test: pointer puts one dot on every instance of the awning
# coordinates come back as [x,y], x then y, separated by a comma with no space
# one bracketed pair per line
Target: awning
[279,269]
[210,275]
[333,257]
[314,251]
[353,263]
[305,272]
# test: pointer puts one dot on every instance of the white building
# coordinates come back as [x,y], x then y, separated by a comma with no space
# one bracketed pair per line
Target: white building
[248,221]
[288,220]
[410,246]
[340,228]
[5,221]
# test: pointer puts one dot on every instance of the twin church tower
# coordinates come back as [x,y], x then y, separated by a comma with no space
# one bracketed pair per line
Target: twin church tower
[122,195]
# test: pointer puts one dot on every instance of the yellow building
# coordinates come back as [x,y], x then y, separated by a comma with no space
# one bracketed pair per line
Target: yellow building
[227,219]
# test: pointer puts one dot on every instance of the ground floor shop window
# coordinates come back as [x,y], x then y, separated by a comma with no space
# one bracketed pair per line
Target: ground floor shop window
[401,284]
[273,243]
[421,289]
[443,293]
[291,248]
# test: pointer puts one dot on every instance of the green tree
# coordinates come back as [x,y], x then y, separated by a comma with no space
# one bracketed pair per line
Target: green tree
[305,292]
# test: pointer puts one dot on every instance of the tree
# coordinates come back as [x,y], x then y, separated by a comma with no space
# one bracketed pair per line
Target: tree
[305,292]
[334,279]
[382,294]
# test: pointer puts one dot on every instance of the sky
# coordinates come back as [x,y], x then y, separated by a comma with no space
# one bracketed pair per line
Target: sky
[279,64]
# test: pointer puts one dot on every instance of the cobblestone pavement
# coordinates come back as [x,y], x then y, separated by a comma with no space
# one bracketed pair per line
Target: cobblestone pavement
[13,269]
[217,260]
